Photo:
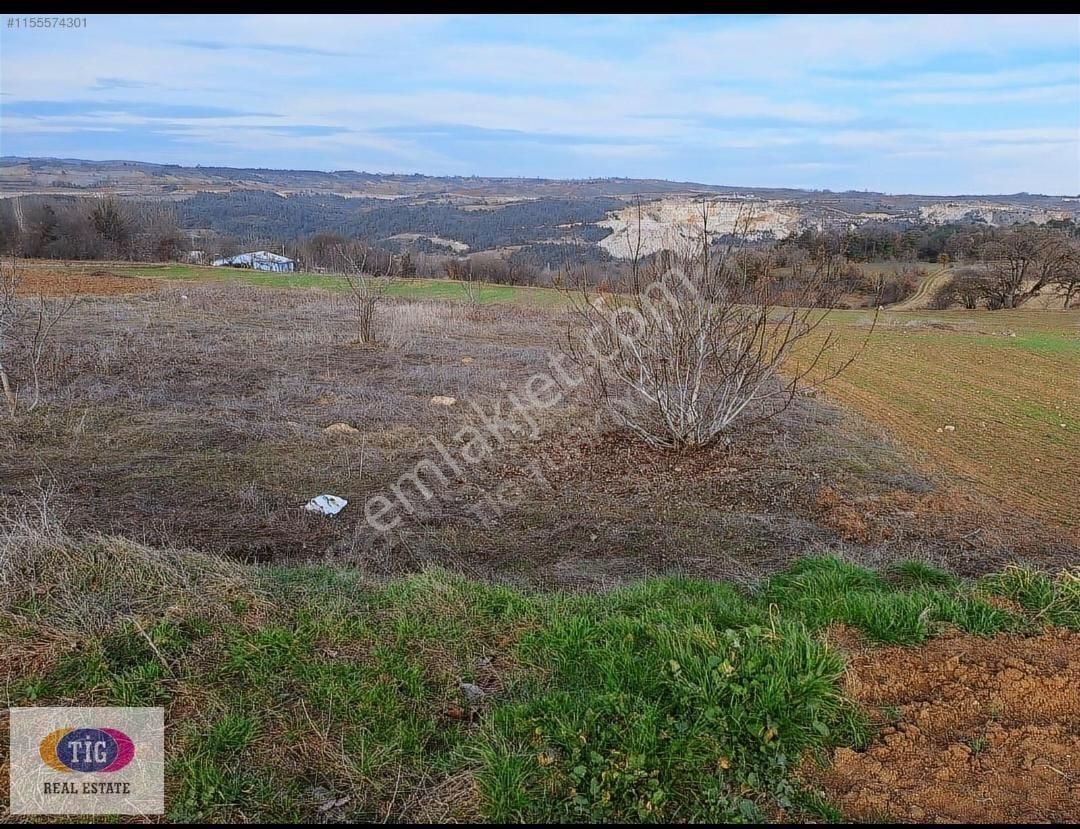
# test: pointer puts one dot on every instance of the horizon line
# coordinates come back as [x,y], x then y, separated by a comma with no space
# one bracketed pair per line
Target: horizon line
[5,159]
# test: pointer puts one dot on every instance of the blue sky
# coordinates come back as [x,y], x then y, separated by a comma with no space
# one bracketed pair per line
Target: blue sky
[918,104]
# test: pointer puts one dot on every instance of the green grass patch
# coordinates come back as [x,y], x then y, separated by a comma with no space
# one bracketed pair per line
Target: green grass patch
[824,591]
[1046,343]
[665,701]
[919,574]
[441,289]
[660,712]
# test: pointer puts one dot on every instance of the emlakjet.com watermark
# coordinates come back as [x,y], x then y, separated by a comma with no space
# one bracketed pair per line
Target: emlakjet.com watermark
[520,417]
[87,761]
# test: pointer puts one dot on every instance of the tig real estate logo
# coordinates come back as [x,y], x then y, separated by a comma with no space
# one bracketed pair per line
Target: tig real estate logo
[87,761]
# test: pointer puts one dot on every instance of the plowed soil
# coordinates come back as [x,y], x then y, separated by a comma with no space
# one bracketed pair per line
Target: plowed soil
[55,282]
[992,397]
[974,730]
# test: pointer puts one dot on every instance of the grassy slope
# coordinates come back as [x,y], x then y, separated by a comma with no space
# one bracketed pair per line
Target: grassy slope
[1008,381]
[413,288]
[291,688]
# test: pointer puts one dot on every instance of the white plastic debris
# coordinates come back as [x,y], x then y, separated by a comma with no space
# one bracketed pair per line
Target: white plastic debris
[326,504]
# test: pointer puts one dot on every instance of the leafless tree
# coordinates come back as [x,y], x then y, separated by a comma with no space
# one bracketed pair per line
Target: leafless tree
[9,284]
[466,272]
[114,226]
[967,286]
[368,288]
[28,332]
[473,288]
[1019,264]
[1068,281]
[635,247]
[1013,267]
[159,237]
[1065,275]
[698,345]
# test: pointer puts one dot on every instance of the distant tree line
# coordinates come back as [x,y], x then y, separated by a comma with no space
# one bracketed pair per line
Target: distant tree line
[890,241]
[268,215]
[1006,268]
[539,241]
[993,267]
[99,228]
[221,224]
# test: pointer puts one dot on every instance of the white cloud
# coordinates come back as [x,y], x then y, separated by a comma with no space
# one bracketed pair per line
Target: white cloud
[813,93]
[980,97]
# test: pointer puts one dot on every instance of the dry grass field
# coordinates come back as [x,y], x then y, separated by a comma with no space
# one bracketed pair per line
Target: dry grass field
[576,628]
[197,412]
[1008,382]
[234,383]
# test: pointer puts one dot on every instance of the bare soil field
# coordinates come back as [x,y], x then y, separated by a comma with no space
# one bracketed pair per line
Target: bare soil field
[973,730]
[60,281]
[196,414]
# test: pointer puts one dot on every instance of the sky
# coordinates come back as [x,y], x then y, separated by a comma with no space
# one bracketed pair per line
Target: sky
[901,104]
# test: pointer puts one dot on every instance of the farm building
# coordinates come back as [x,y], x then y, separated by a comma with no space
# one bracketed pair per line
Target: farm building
[260,260]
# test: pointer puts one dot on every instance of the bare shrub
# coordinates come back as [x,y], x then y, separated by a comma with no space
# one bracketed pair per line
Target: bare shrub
[890,287]
[9,283]
[473,291]
[27,332]
[967,287]
[700,343]
[942,297]
[368,288]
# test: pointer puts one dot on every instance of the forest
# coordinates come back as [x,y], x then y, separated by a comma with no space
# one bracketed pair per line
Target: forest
[535,241]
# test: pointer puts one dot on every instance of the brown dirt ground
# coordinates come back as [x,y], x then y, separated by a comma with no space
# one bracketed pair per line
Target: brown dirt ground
[974,730]
[606,510]
[960,517]
[54,282]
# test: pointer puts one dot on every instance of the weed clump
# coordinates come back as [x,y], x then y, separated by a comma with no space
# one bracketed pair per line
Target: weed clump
[1052,600]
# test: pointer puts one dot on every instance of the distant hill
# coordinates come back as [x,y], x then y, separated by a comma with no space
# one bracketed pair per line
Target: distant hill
[493,212]
[137,178]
